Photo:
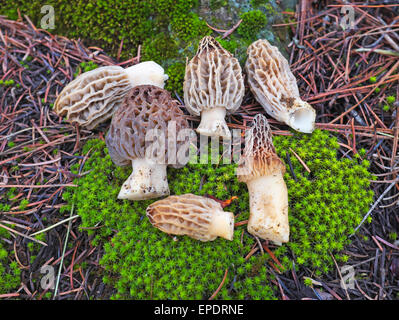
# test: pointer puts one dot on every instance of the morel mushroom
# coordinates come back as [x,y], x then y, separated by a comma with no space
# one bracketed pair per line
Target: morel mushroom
[213,84]
[262,170]
[195,216]
[94,96]
[275,88]
[146,109]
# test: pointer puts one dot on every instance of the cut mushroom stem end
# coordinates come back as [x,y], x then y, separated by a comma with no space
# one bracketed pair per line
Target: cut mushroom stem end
[213,123]
[302,117]
[222,224]
[148,180]
[268,199]
[148,72]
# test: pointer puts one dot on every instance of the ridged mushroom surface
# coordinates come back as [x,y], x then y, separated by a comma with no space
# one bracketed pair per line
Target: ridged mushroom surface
[263,171]
[275,87]
[138,135]
[91,98]
[144,108]
[213,82]
[198,217]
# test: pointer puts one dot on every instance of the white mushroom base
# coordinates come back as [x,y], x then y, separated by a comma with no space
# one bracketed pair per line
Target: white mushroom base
[268,200]
[213,123]
[148,180]
[222,224]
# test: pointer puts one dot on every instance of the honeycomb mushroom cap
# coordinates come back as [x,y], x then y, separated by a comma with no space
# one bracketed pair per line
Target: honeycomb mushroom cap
[213,79]
[145,107]
[262,170]
[91,98]
[193,216]
[259,156]
[275,87]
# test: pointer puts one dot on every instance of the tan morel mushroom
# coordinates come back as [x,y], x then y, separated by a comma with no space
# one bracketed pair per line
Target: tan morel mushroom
[145,109]
[213,84]
[198,217]
[94,96]
[275,87]
[262,170]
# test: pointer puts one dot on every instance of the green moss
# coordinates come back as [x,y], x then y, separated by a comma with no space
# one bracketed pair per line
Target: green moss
[85,67]
[176,77]
[325,204]
[189,26]
[252,22]
[10,274]
[391,99]
[142,262]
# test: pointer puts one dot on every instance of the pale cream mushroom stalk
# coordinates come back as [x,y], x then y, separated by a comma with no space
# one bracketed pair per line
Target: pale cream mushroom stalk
[213,85]
[262,170]
[275,87]
[198,217]
[146,109]
[94,96]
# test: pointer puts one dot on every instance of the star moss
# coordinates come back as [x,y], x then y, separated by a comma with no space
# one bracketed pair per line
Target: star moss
[145,263]
[10,274]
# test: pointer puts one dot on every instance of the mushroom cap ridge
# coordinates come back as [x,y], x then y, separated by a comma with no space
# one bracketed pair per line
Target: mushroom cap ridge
[259,156]
[213,79]
[144,108]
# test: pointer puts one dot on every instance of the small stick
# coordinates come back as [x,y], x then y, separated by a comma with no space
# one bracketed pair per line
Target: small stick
[300,160]
[220,286]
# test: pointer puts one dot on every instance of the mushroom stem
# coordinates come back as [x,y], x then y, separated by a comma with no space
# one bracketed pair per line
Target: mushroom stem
[148,180]
[301,116]
[213,123]
[268,200]
[222,224]
[147,72]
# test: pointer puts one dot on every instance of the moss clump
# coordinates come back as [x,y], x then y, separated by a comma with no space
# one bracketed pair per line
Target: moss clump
[85,67]
[142,262]
[252,22]
[325,204]
[10,274]
[176,77]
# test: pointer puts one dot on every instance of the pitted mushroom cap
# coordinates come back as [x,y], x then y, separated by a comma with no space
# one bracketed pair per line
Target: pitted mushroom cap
[270,77]
[259,156]
[187,214]
[144,108]
[213,79]
[91,98]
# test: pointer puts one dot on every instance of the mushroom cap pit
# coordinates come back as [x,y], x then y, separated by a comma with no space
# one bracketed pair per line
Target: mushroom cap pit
[92,97]
[144,108]
[213,79]
[259,156]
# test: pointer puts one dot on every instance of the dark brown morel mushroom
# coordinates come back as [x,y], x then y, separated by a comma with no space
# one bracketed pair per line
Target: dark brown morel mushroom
[138,136]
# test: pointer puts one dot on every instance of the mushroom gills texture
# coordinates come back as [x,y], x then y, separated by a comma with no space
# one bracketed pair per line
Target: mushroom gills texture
[268,200]
[213,123]
[147,72]
[148,180]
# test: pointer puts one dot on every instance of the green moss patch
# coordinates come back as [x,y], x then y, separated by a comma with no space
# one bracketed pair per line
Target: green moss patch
[144,263]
